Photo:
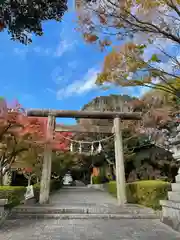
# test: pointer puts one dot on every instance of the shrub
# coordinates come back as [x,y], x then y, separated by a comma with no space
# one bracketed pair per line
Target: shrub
[147,193]
[14,194]
[111,188]
[96,179]
[99,179]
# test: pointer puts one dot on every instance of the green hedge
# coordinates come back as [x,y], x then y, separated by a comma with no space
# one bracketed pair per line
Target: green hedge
[147,193]
[16,194]
[13,194]
[96,180]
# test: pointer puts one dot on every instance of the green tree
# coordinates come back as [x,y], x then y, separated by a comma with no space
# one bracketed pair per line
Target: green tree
[64,161]
[23,18]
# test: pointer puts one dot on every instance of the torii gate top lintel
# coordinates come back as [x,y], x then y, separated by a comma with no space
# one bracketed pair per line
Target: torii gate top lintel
[84,114]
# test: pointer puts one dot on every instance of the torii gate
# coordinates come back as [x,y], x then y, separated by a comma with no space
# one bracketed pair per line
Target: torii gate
[116,129]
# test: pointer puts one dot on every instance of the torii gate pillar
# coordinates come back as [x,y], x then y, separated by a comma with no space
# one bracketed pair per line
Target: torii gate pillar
[119,158]
[47,162]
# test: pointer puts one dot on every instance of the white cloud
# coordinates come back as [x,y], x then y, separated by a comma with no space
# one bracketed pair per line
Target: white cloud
[43,51]
[61,75]
[57,75]
[80,86]
[21,52]
[64,47]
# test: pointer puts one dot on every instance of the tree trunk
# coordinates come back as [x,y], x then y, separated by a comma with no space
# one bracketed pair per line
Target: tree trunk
[29,180]
[6,178]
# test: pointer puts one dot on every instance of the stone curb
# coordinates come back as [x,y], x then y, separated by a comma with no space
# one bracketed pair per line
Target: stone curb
[83,216]
[98,210]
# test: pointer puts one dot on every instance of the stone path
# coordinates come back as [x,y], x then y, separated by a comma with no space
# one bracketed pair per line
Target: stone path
[86,229]
[82,196]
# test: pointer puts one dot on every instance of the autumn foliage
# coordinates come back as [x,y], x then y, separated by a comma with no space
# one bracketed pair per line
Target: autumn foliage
[22,138]
[59,140]
[147,35]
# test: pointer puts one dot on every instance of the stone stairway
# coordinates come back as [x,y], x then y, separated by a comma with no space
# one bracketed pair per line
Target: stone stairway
[171,207]
[82,203]
[35,213]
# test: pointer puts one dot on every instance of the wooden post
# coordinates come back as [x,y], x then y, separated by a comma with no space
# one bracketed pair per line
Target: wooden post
[119,157]
[47,161]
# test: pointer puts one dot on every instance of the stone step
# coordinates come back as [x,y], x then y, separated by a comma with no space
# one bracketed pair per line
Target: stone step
[177,178]
[170,213]
[174,196]
[25,209]
[78,188]
[67,212]
[81,216]
[170,204]
[175,187]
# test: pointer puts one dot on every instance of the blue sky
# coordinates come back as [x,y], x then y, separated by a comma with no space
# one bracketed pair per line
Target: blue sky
[57,70]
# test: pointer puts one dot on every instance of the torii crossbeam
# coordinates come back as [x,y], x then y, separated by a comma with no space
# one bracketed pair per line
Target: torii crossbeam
[116,129]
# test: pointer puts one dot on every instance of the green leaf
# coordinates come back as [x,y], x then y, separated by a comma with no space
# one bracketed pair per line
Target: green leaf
[142,46]
[154,58]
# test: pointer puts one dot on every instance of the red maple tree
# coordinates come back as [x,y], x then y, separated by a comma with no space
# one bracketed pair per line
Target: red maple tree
[19,134]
